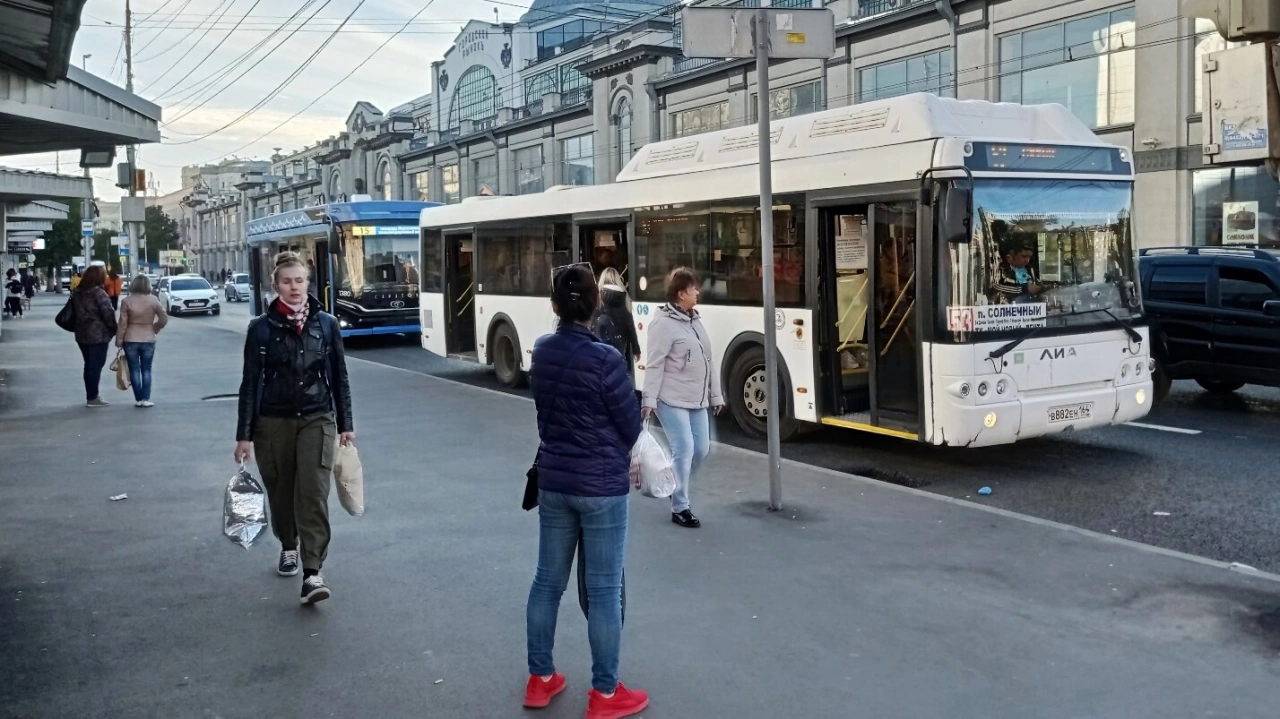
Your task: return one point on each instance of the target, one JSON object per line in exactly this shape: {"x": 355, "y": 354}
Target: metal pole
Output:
{"x": 766, "y": 266}
{"x": 131, "y": 228}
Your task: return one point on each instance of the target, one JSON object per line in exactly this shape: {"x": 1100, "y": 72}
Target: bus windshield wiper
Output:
{"x": 1128, "y": 328}
{"x": 1006, "y": 349}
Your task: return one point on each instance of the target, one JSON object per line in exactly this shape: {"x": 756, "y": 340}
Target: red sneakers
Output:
{"x": 538, "y": 693}
{"x": 624, "y": 703}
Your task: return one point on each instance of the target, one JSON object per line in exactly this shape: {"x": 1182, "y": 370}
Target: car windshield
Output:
{"x": 192, "y": 284}
{"x": 1045, "y": 253}
{"x": 240, "y": 280}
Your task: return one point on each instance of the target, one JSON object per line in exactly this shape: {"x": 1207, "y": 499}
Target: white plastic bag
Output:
{"x": 657, "y": 475}
{"x": 244, "y": 509}
{"x": 348, "y": 474}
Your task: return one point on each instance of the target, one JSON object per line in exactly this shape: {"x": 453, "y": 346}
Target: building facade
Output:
{"x": 567, "y": 95}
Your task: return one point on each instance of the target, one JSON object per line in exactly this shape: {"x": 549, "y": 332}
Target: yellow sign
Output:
{"x": 795, "y": 38}
{"x": 363, "y": 230}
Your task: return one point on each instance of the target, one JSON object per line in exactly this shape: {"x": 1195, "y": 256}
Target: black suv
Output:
{"x": 1215, "y": 316}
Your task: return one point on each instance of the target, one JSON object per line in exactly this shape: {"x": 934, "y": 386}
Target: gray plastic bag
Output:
{"x": 244, "y": 509}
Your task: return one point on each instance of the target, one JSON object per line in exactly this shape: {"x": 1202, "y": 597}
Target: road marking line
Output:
{"x": 1162, "y": 428}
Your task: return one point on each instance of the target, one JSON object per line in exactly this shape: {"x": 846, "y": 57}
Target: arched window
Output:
{"x": 625, "y": 148}
{"x": 335, "y": 186}
{"x": 475, "y": 97}
{"x": 384, "y": 180}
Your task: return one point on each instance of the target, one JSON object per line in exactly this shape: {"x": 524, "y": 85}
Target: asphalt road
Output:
{"x": 1207, "y": 461}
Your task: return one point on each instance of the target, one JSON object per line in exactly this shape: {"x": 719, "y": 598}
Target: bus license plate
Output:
{"x": 1071, "y": 412}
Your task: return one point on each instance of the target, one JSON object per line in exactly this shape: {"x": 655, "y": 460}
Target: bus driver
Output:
{"x": 1018, "y": 281}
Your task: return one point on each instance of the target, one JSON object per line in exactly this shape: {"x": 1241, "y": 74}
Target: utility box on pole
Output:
{"x": 1241, "y": 105}
{"x": 1241, "y": 115}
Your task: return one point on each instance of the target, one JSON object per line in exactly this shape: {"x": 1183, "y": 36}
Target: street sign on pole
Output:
{"x": 763, "y": 33}
{"x": 86, "y": 228}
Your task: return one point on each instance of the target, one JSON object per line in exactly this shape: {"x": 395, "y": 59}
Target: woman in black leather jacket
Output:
{"x": 295, "y": 406}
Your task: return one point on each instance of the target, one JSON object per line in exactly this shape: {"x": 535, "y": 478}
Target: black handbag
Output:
{"x": 582, "y": 581}
{"x": 66, "y": 318}
{"x": 530, "y": 488}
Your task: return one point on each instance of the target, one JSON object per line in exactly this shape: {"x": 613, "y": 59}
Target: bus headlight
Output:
{"x": 982, "y": 389}
{"x": 990, "y": 420}
{"x": 965, "y": 389}
{"x": 1151, "y": 365}
{"x": 343, "y": 324}
{"x": 1140, "y": 397}
{"x": 1137, "y": 370}
{"x": 1001, "y": 386}
{"x": 1124, "y": 371}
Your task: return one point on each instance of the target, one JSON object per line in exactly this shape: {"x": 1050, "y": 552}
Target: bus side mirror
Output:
{"x": 955, "y": 219}
{"x": 335, "y": 241}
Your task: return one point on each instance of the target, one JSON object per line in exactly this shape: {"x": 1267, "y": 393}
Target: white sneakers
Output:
{"x": 144, "y": 403}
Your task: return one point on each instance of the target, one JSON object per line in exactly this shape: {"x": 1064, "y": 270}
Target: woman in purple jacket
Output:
{"x": 95, "y": 330}
{"x": 588, "y": 422}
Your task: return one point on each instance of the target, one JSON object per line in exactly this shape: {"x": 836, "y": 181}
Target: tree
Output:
{"x": 161, "y": 233}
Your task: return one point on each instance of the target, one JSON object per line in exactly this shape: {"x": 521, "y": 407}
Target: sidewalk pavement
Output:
{"x": 860, "y": 600}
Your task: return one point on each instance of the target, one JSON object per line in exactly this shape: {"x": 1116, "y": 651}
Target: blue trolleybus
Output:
{"x": 365, "y": 259}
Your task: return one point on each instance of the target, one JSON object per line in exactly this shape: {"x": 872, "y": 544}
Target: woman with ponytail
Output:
{"x": 588, "y": 422}
{"x": 295, "y": 406}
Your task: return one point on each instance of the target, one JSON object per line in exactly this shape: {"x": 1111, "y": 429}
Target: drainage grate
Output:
{"x": 890, "y": 476}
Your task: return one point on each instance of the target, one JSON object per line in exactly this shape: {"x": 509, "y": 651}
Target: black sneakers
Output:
{"x": 686, "y": 519}
{"x": 288, "y": 566}
{"x": 314, "y": 590}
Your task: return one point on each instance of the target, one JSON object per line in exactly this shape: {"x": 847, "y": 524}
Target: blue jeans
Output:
{"x": 603, "y": 524}
{"x": 689, "y": 435}
{"x": 95, "y": 358}
{"x": 140, "y": 355}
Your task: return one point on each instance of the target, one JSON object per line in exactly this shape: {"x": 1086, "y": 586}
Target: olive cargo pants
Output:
{"x": 295, "y": 456}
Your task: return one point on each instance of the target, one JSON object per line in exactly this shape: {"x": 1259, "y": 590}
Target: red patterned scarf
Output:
{"x": 297, "y": 315}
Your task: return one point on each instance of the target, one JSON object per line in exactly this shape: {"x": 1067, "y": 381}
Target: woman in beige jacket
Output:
{"x": 142, "y": 316}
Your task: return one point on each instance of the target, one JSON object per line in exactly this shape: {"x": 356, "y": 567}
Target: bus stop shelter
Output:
{"x": 48, "y": 105}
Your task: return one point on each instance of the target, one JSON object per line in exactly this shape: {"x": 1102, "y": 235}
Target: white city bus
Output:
{"x": 954, "y": 272}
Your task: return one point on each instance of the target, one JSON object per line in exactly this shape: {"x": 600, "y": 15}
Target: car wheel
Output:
{"x": 506, "y": 357}
{"x": 747, "y": 400}
{"x": 1218, "y": 386}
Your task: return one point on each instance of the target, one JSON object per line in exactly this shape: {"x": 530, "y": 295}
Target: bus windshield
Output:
{"x": 377, "y": 261}
{"x": 1045, "y": 253}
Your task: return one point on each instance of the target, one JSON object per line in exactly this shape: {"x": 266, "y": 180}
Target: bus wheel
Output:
{"x": 746, "y": 396}
{"x": 506, "y": 357}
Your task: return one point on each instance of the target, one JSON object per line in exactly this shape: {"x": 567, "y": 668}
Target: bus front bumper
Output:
{"x": 970, "y": 424}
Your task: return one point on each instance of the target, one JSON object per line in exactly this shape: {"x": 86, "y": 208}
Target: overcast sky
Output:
{"x": 177, "y": 66}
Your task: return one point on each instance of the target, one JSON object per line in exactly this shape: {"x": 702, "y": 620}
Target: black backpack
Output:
{"x": 607, "y": 331}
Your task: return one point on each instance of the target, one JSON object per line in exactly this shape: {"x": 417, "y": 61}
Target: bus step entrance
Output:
{"x": 468, "y": 356}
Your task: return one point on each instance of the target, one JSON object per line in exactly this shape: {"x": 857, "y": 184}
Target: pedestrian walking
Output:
{"x": 75, "y": 281}
{"x": 12, "y": 293}
{"x": 114, "y": 287}
{"x": 142, "y": 316}
{"x": 95, "y": 328}
{"x": 613, "y": 323}
{"x": 295, "y": 405}
{"x": 588, "y": 422}
{"x": 680, "y": 384}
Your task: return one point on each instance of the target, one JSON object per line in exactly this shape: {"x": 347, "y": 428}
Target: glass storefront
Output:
{"x": 1235, "y": 206}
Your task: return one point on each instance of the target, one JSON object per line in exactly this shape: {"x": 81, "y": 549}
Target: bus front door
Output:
{"x": 459, "y": 293}
{"x": 895, "y": 341}
{"x": 868, "y": 332}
